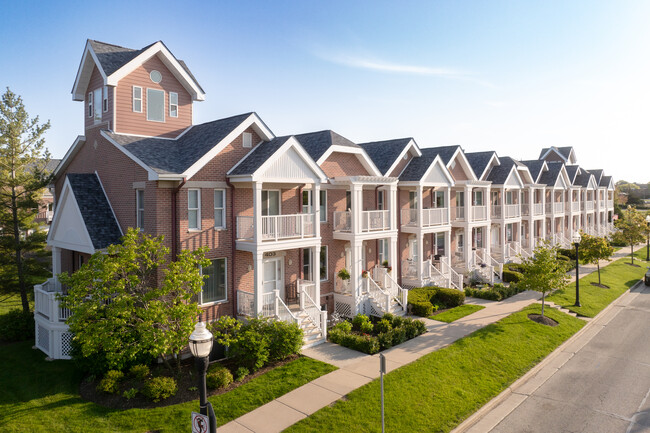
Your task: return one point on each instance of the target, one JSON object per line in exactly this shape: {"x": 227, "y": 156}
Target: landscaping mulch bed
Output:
{"x": 186, "y": 380}
{"x": 544, "y": 320}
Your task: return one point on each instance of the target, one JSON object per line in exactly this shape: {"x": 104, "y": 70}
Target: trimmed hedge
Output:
{"x": 159, "y": 388}
{"x": 16, "y": 326}
{"x": 424, "y": 301}
{"x": 218, "y": 376}
{"x": 511, "y": 276}
{"x": 497, "y": 293}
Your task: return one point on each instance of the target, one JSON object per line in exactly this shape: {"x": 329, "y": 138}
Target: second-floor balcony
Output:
{"x": 506, "y": 211}
{"x": 479, "y": 213}
{"x": 575, "y": 206}
{"x": 430, "y": 217}
{"x": 371, "y": 221}
{"x": 277, "y": 227}
{"x": 555, "y": 207}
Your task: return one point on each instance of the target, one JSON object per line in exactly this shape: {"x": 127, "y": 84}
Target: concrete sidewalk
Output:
{"x": 357, "y": 369}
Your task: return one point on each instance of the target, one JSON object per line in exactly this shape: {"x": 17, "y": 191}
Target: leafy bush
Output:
{"x": 424, "y": 301}
{"x": 390, "y": 330}
{"x": 488, "y": 294}
{"x": 414, "y": 328}
{"x": 570, "y": 253}
{"x": 130, "y": 393}
{"x": 225, "y": 330}
{"x": 16, "y": 326}
{"x": 139, "y": 371}
{"x": 385, "y": 340}
{"x": 251, "y": 349}
{"x": 159, "y": 388}
{"x": 362, "y": 323}
{"x": 510, "y": 276}
{"x": 110, "y": 384}
{"x": 218, "y": 377}
{"x": 515, "y": 267}
{"x": 362, "y": 343}
{"x": 449, "y": 298}
{"x": 344, "y": 326}
{"x": 399, "y": 335}
{"x": 384, "y": 325}
{"x": 241, "y": 373}
{"x": 285, "y": 339}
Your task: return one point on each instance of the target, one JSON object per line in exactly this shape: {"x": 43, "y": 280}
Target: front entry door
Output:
{"x": 274, "y": 275}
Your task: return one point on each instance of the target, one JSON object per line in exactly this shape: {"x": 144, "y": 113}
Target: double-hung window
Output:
{"x": 155, "y": 105}
{"x": 215, "y": 285}
{"x": 307, "y": 269}
{"x": 219, "y": 208}
{"x": 193, "y": 209}
{"x": 105, "y": 99}
{"x": 306, "y": 201}
{"x": 381, "y": 201}
{"x": 478, "y": 198}
{"x": 323, "y": 205}
{"x": 323, "y": 263}
{"x": 270, "y": 202}
{"x": 97, "y": 112}
{"x": 173, "y": 104}
{"x": 139, "y": 201}
{"x": 90, "y": 104}
{"x": 137, "y": 99}
{"x": 413, "y": 200}
{"x": 439, "y": 199}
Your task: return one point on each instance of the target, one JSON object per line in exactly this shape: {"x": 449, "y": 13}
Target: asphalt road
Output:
{"x": 603, "y": 388}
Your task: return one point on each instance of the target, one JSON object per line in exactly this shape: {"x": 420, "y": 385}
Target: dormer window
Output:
{"x": 247, "y": 139}
{"x": 137, "y": 99}
{"x": 155, "y": 105}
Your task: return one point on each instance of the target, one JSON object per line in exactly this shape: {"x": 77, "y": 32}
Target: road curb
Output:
{"x": 477, "y": 416}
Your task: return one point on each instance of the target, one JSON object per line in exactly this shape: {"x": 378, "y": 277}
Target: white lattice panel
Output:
{"x": 343, "y": 309}
{"x": 66, "y": 344}
{"x": 43, "y": 338}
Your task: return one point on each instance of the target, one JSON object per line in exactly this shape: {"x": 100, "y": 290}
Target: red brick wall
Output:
{"x": 216, "y": 169}
{"x": 129, "y": 122}
{"x": 402, "y": 164}
{"x": 343, "y": 164}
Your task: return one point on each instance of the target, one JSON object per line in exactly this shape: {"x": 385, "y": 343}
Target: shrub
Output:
{"x": 422, "y": 308}
{"x": 16, "y": 326}
{"x": 225, "y": 330}
{"x": 130, "y": 393}
{"x": 568, "y": 252}
{"x": 362, "y": 323}
{"x": 110, "y": 384}
{"x": 385, "y": 340}
{"x": 419, "y": 300}
{"x": 515, "y": 267}
{"x": 414, "y": 328}
{"x": 285, "y": 339}
{"x": 251, "y": 349}
{"x": 344, "y": 326}
{"x": 218, "y": 377}
{"x": 159, "y": 388}
{"x": 241, "y": 373}
{"x": 384, "y": 325}
{"x": 510, "y": 276}
{"x": 450, "y": 298}
{"x": 362, "y": 343}
{"x": 398, "y": 335}
{"x": 139, "y": 371}
{"x": 488, "y": 294}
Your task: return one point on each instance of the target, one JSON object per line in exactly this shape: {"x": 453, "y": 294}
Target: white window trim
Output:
{"x": 223, "y": 209}
{"x": 163, "y": 108}
{"x": 136, "y": 99}
{"x": 105, "y": 99}
{"x": 323, "y": 203}
{"x": 247, "y": 140}
{"x": 138, "y": 209}
{"x": 201, "y": 303}
{"x": 173, "y": 105}
{"x": 198, "y": 210}
{"x": 326, "y": 262}
{"x": 279, "y": 201}
{"x": 90, "y": 105}
{"x": 381, "y": 204}
{"x": 310, "y": 203}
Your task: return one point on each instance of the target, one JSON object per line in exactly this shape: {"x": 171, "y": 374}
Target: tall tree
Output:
{"x": 631, "y": 228}
{"x": 23, "y": 177}
{"x": 543, "y": 272}
{"x": 131, "y": 304}
{"x": 593, "y": 249}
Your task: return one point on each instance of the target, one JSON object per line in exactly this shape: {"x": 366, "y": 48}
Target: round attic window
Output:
{"x": 155, "y": 76}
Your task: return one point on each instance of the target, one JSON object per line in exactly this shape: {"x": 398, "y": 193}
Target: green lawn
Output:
{"x": 43, "y": 396}
{"x": 618, "y": 275}
{"x": 12, "y": 302}
{"x": 438, "y": 391}
{"x": 457, "y": 313}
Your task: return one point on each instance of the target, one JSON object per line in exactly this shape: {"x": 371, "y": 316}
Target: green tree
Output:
{"x": 593, "y": 249}
{"x": 23, "y": 176}
{"x": 131, "y": 304}
{"x": 543, "y": 272}
{"x": 631, "y": 228}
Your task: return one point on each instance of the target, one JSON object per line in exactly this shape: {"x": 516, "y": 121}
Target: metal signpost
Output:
{"x": 200, "y": 423}
{"x": 382, "y": 371}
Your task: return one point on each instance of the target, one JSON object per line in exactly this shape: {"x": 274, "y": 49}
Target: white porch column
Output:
{"x": 56, "y": 261}
{"x": 258, "y": 280}
{"x": 420, "y": 245}
{"x": 315, "y": 254}
{"x": 392, "y": 206}
{"x": 393, "y": 255}
{"x": 487, "y": 239}
{"x": 356, "y": 195}
{"x": 418, "y": 195}
{"x": 468, "y": 243}
{"x": 448, "y": 203}
{"x": 316, "y": 204}
{"x": 257, "y": 212}
{"x": 355, "y": 269}
{"x": 469, "y": 202}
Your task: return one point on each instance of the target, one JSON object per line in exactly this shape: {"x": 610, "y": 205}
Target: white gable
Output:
{"x": 560, "y": 182}
{"x": 289, "y": 166}
{"x": 68, "y": 228}
{"x": 513, "y": 180}
{"x": 437, "y": 175}
{"x": 592, "y": 183}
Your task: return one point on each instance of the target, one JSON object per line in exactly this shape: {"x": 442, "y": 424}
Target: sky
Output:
{"x": 509, "y": 76}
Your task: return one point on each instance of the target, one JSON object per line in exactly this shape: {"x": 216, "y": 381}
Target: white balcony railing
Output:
{"x": 538, "y": 209}
{"x": 511, "y": 211}
{"x": 495, "y": 211}
{"x": 575, "y": 206}
{"x": 558, "y": 207}
{"x": 47, "y": 303}
{"x": 245, "y": 303}
{"x": 371, "y": 220}
{"x": 590, "y": 205}
{"x": 430, "y": 217}
{"x": 458, "y": 213}
{"x": 277, "y": 227}
{"x": 479, "y": 213}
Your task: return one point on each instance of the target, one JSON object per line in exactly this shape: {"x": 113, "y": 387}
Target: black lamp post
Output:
{"x": 647, "y": 251}
{"x": 576, "y": 241}
{"x": 200, "y": 346}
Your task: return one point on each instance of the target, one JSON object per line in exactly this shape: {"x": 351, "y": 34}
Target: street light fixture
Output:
{"x": 201, "y": 345}
{"x": 576, "y": 241}
{"x": 647, "y": 251}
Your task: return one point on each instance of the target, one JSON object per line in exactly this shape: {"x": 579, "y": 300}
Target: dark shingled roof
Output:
{"x": 499, "y": 174}
{"x": 479, "y": 161}
{"x": 550, "y": 176}
{"x": 384, "y": 153}
{"x": 95, "y": 210}
{"x": 113, "y": 57}
{"x": 176, "y": 156}
{"x": 317, "y": 143}
{"x": 583, "y": 178}
{"x": 564, "y": 151}
{"x": 534, "y": 166}
{"x": 598, "y": 174}
{"x": 604, "y": 181}
{"x": 416, "y": 168}
{"x": 445, "y": 152}
{"x": 572, "y": 170}
{"x": 259, "y": 155}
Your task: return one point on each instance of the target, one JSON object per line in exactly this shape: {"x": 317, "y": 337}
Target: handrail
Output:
{"x": 311, "y": 309}
{"x": 491, "y": 261}
{"x": 436, "y": 276}
{"x": 283, "y": 312}
{"x": 377, "y": 293}
{"x": 394, "y": 289}
{"x": 455, "y": 279}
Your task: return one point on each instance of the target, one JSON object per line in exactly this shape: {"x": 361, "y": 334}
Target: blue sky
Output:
{"x": 510, "y": 76}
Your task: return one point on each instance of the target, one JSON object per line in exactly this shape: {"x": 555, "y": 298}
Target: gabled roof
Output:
{"x": 598, "y": 174}
{"x": 95, "y": 209}
{"x": 446, "y": 153}
{"x": 555, "y": 170}
{"x": 583, "y": 177}
{"x": 572, "y": 171}
{"x": 566, "y": 153}
{"x": 114, "y": 62}
{"x": 190, "y": 151}
{"x": 387, "y": 153}
{"x": 536, "y": 167}
{"x": 605, "y": 181}
{"x": 500, "y": 173}
{"x": 258, "y": 156}
{"x": 420, "y": 168}
{"x": 480, "y": 161}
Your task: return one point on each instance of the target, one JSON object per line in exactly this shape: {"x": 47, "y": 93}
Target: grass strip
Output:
{"x": 618, "y": 275}
{"x": 43, "y": 396}
{"x": 440, "y": 390}
{"x": 457, "y": 313}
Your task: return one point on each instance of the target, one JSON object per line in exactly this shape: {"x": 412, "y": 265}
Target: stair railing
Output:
{"x": 392, "y": 287}
{"x": 313, "y": 311}
{"x": 377, "y": 293}
{"x": 455, "y": 279}
{"x": 282, "y": 311}
{"x": 437, "y": 276}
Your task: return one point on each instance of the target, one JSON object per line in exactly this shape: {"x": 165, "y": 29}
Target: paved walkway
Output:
{"x": 357, "y": 369}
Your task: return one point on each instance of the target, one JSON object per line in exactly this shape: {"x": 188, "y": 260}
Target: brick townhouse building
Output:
{"x": 283, "y": 216}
